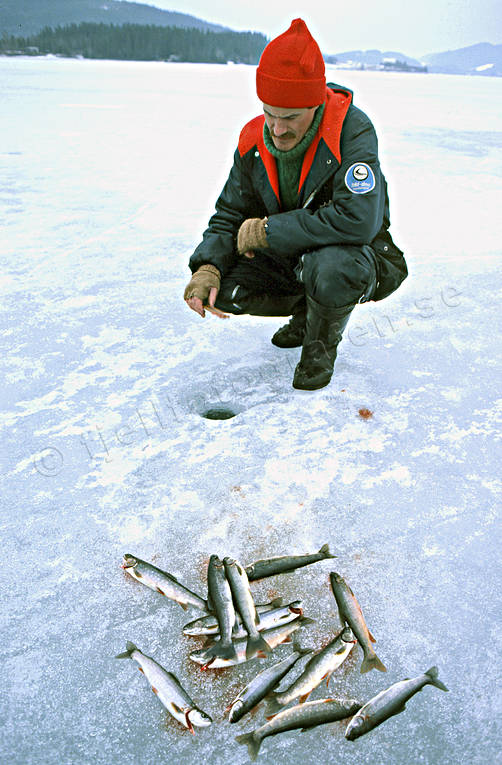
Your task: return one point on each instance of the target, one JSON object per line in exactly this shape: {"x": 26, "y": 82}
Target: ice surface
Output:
{"x": 108, "y": 174}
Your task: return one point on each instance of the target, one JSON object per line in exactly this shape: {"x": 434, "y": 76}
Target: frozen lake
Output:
{"x": 108, "y": 174}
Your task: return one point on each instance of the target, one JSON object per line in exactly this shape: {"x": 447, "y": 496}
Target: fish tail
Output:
{"x": 325, "y": 551}
{"x": 273, "y": 705}
{"x": 252, "y": 743}
{"x": 432, "y": 674}
{"x": 298, "y": 649}
{"x": 256, "y": 645}
{"x": 371, "y": 661}
{"x": 221, "y": 650}
{"x": 130, "y": 648}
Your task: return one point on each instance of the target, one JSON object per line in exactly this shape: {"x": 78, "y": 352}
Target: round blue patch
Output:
{"x": 360, "y": 178}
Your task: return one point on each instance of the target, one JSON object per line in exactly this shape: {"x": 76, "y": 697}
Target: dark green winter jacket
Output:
{"x": 342, "y": 195}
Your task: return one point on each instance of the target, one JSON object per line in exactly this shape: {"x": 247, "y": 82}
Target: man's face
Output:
{"x": 287, "y": 126}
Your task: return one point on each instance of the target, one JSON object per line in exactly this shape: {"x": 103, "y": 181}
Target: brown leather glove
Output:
{"x": 202, "y": 281}
{"x": 252, "y": 235}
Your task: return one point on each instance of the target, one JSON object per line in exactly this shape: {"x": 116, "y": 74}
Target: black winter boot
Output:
{"x": 323, "y": 332}
{"x": 291, "y": 334}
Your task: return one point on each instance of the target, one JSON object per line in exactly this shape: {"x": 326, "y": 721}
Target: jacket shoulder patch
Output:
{"x": 251, "y": 134}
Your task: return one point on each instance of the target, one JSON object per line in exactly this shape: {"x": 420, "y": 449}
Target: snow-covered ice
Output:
{"x": 108, "y": 174}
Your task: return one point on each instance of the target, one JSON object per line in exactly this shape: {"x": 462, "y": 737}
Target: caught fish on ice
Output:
{"x": 162, "y": 582}
{"x": 273, "y": 637}
{"x": 263, "y": 683}
{"x": 390, "y": 702}
{"x": 320, "y": 666}
{"x": 168, "y": 689}
{"x": 282, "y": 564}
{"x": 303, "y": 716}
{"x": 351, "y": 613}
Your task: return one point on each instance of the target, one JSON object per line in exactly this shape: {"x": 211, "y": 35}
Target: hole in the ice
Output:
{"x": 218, "y": 413}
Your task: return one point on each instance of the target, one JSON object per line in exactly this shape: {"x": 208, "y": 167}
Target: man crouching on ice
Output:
{"x": 301, "y": 226}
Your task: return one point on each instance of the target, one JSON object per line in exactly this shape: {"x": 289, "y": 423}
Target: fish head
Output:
{"x": 355, "y": 728}
{"x": 229, "y": 562}
{"x": 199, "y": 656}
{"x": 296, "y": 607}
{"x": 335, "y": 578}
{"x": 214, "y": 560}
{"x": 235, "y": 708}
{"x": 199, "y": 718}
{"x": 348, "y": 636}
{"x": 129, "y": 561}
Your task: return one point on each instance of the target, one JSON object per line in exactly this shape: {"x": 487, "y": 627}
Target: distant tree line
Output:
{"x": 137, "y": 42}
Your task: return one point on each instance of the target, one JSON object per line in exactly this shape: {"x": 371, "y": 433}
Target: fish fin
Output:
{"x": 256, "y": 645}
{"x": 325, "y": 551}
{"x": 273, "y": 705}
{"x": 253, "y": 745}
{"x": 141, "y": 670}
{"x": 183, "y": 605}
{"x": 432, "y": 673}
{"x": 287, "y": 639}
{"x": 130, "y": 647}
{"x": 373, "y": 639}
{"x": 138, "y": 574}
{"x": 328, "y": 678}
{"x": 160, "y": 591}
{"x": 154, "y": 689}
{"x": 207, "y": 664}
{"x": 304, "y": 620}
{"x": 372, "y": 662}
{"x": 189, "y": 722}
{"x": 304, "y": 697}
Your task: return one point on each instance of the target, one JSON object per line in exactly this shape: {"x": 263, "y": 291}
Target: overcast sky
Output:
{"x": 427, "y": 26}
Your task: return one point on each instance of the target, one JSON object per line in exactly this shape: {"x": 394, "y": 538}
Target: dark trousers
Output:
{"x": 266, "y": 285}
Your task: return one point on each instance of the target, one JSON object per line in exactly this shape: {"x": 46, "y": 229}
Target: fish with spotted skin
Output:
{"x": 274, "y": 637}
{"x": 303, "y": 716}
{"x": 320, "y": 666}
{"x": 162, "y": 582}
{"x": 264, "y": 682}
{"x": 244, "y": 604}
{"x": 282, "y": 564}
{"x": 351, "y": 613}
{"x": 390, "y": 702}
{"x": 168, "y": 690}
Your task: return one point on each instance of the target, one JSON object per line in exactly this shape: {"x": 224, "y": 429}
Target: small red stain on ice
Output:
{"x": 366, "y": 414}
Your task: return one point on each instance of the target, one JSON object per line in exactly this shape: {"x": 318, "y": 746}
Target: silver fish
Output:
{"x": 220, "y": 598}
{"x": 318, "y": 667}
{"x": 162, "y": 582}
{"x": 262, "y": 684}
{"x": 303, "y": 716}
{"x": 390, "y": 702}
{"x": 350, "y": 612}
{"x": 280, "y": 565}
{"x": 274, "y": 637}
{"x": 168, "y": 689}
{"x": 244, "y": 603}
{"x": 268, "y": 612}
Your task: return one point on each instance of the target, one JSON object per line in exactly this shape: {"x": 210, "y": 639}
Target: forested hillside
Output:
{"x": 136, "y": 42}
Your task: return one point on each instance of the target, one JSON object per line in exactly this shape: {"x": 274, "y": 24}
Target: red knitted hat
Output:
{"x": 291, "y": 70}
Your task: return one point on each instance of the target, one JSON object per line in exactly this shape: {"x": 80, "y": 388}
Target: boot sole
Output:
{"x": 298, "y": 344}
{"x": 315, "y": 384}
